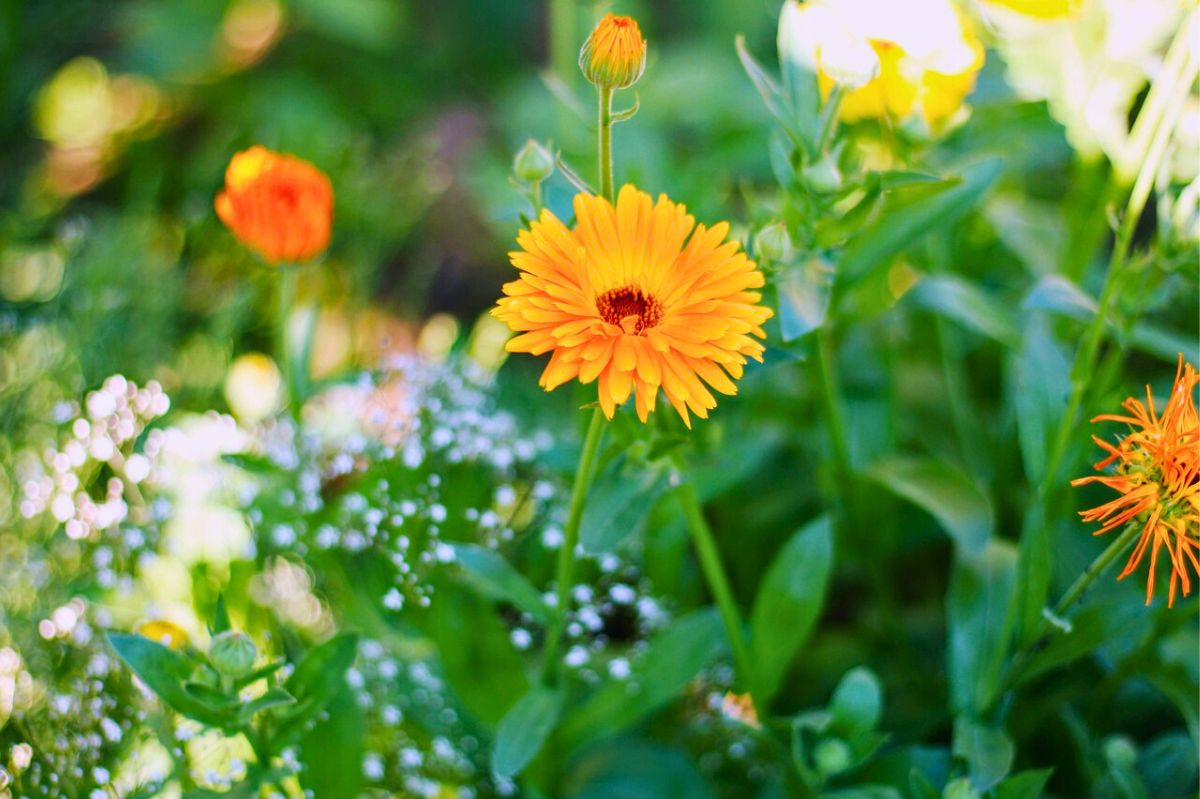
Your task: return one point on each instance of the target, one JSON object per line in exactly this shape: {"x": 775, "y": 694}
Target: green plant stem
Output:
{"x": 566, "y": 554}
{"x": 714, "y": 575}
{"x": 562, "y": 40}
{"x": 1034, "y": 642}
{"x": 605, "y": 144}
{"x": 831, "y": 403}
{"x": 285, "y": 298}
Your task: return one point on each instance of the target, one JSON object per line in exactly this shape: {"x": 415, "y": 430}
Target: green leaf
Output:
{"x": 803, "y": 293}
{"x": 1024, "y": 784}
{"x": 908, "y": 214}
{"x": 209, "y": 694}
{"x": 857, "y": 702}
{"x": 164, "y": 671}
{"x": 618, "y": 502}
{"x": 1059, "y": 295}
{"x": 220, "y": 617}
{"x": 524, "y": 729}
{"x": 494, "y": 577}
{"x": 332, "y": 751}
{"x": 1098, "y": 621}
{"x": 672, "y": 658}
{"x": 788, "y": 602}
{"x": 772, "y": 97}
{"x": 316, "y": 680}
{"x": 944, "y": 492}
{"x": 636, "y": 770}
{"x": 965, "y": 303}
{"x": 1040, "y": 393}
{"x": 259, "y": 674}
{"x": 987, "y": 751}
{"x": 979, "y": 615}
{"x": 1168, "y": 763}
{"x": 272, "y": 697}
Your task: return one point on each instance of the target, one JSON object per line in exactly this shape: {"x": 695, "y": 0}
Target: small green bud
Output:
{"x": 773, "y": 244}
{"x": 232, "y": 653}
{"x": 20, "y": 757}
{"x": 832, "y": 756}
{"x": 533, "y": 163}
{"x": 823, "y": 176}
{"x": 1120, "y": 751}
{"x": 960, "y": 789}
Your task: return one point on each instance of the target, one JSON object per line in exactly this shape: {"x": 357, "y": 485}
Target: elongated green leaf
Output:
{"x": 272, "y": 697}
{"x": 979, "y": 613}
{"x": 1040, "y": 393}
{"x": 987, "y": 750}
{"x": 672, "y": 658}
{"x": 494, "y": 577}
{"x": 910, "y": 213}
{"x": 316, "y": 680}
{"x": 1059, "y": 295}
{"x": 638, "y": 770}
{"x": 618, "y": 503}
{"x": 164, "y": 671}
{"x": 788, "y": 603}
{"x": 1024, "y": 785}
{"x": 767, "y": 88}
{"x": 524, "y": 729}
{"x": 332, "y": 751}
{"x": 965, "y": 303}
{"x": 220, "y": 617}
{"x": 944, "y": 492}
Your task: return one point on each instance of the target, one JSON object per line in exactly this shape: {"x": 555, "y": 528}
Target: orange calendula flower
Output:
{"x": 279, "y": 206}
{"x": 1041, "y": 9}
{"x": 1157, "y": 472}
{"x": 614, "y": 55}
{"x": 628, "y": 299}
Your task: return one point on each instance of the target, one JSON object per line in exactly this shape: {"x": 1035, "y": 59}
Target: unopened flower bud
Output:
{"x": 1120, "y": 751}
{"x": 533, "y": 163}
{"x": 614, "y": 55}
{"x": 773, "y": 244}
{"x": 832, "y": 756}
{"x": 232, "y": 653}
{"x": 823, "y": 176}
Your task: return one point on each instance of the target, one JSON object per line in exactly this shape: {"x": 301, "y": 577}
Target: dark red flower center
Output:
{"x": 629, "y": 308}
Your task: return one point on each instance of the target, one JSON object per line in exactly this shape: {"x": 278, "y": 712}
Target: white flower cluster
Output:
{"x": 102, "y": 435}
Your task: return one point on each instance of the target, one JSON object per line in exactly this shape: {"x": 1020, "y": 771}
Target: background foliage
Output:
{"x": 878, "y": 541}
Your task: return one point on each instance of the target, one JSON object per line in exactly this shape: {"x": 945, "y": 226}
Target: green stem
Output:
{"x": 566, "y": 554}
{"x": 562, "y": 40}
{"x": 714, "y": 575}
{"x": 606, "y": 161}
{"x": 285, "y": 298}
{"x": 1097, "y": 567}
{"x": 831, "y": 403}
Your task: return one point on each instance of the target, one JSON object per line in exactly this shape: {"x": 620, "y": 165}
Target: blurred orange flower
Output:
{"x": 1158, "y": 476}
{"x": 278, "y": 205}
{"x": 163, "y": 632}
{"x": 614, "y": 55}
{"x": 626, "y": 298}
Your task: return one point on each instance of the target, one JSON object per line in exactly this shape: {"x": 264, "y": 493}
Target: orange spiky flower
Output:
{"x": 636, "y": 297}
{"x": 1157, "y": 472}
{"x": 278, "y": 205}
{"x": 614, "y": 55}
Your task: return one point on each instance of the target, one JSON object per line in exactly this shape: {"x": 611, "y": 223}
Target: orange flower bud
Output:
{"x": 278, "y": 205}
{"x": 614, "y": 55}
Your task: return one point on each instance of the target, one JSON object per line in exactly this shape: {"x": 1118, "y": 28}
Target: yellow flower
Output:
{"x": 1041, "y": 9}
{"x": 163, "y": 632}
{"x": 614, "y": 55}
{"x": 629, "y": 300}
{"x": 926, "y": 56}
{"x": 1158, "y": 477}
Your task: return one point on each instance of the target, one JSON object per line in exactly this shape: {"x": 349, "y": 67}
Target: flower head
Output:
{"x": 614, "y": 55}
{"x": 1040, "y": 9}
{"x": 628, "y": 299}
{"x": 894, "y": 59}
{"x": 278, "y": 205}
{"x": 163, "y": 632}
{"x": 1157, "y": 473}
